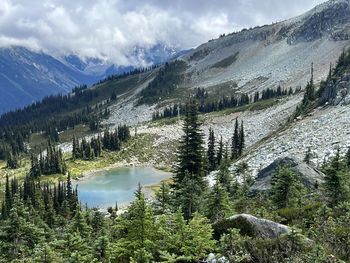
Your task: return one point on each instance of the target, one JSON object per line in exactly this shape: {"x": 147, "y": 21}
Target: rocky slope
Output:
{"x": 309, "y": 176}
{"x": 256, "y": 59}
{"x": 275, "y": 54}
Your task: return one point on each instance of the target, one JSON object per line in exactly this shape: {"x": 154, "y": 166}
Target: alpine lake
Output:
{"x": 104, "y": 188}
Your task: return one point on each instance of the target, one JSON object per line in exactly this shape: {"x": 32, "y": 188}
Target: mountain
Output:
{"x": 156, "y": 54}
{"x": 27, "y": 76}
{"x": 280, "y": 53}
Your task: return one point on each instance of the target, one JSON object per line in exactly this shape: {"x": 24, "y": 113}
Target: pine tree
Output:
{"x": 12, "y": 161}
{"x": 75, "y": 150}
{"x": 235, "y": 145}
{"x": 309, "y": 95}
{"x": 241, "y": 140}
{"x": 190, "y": 158}
{"x": 218, "y": 206}
{"x": 223, "y": 177}
{"x": 189, "y": 196}
{"x": 348, "y": 158}
{"x": 199, "y": 241}
{"x": 163, "y": 198}
{"x": 286, "y": 188}
{"x": 220, "y": 154}
{"x": 211, "y": 151}
{"x": 335, "y": 182}
{"x": 140, "y": 240}
{"x": 307, "y": 156}
{"x": 35, "y": 171}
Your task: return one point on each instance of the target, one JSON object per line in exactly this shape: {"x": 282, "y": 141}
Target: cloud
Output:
{"x": 111, "y": 28}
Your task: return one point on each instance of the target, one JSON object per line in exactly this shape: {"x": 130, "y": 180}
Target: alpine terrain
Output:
{"x": 251, "y": 132}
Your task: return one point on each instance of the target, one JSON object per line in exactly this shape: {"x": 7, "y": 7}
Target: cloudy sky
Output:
{"x": 112, "y": 27}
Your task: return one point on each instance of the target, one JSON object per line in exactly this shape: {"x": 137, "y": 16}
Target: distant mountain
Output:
{"x": 27, "y": 76}
{"x": 156, "y": 54}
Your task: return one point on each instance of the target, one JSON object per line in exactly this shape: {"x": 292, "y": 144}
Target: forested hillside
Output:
{"x": 187, "y": 220}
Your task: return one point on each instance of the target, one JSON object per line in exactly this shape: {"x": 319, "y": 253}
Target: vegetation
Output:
{"x": 235, "y": 101}
{"x": 187, "y": 219}
{"x": 165, "y": 83}
{"x": 45, "y": 223}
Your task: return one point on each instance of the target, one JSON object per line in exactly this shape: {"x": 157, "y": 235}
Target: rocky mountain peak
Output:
{"x": 330, "y": 19}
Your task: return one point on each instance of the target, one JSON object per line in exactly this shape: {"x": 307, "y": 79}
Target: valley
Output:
{"x": 235, "y": 151}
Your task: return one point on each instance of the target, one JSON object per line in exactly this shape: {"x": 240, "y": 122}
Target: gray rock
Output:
{"x": 211, "y": 258}
{"x": 309, "y": 176}
{"x": 346, "y": 100}
{"x": 252, "y": 226}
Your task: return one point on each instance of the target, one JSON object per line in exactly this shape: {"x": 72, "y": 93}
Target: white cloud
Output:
{"x": 112, "y": 28}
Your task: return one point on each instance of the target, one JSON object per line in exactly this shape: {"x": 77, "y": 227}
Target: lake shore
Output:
{"x": 95, "y": 172}
{"x": 149, "y": 188}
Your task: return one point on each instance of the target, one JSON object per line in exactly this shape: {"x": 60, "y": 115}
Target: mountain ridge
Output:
{"x": 27, "y": 76}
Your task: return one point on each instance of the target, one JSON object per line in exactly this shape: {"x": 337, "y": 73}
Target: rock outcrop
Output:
{"x": 327, "y": 19}
{"x": 252, "y": 226}
{"x": 309, "y": 176}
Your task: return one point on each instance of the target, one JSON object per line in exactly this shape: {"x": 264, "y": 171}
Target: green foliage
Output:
{"x": 211, "y": 153}
{"x": 165, "y": 83}
{"x": 286, "y": 188}
{"x": 51, "y": 162}
{"x": 237, "y": 142}
{"x": 163, "y": 198}
{"x": 218, "y": 205}
{"x": 189, "y": 183}
{"x": 336, "y": 181}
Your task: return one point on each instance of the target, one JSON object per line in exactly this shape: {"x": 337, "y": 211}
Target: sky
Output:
{"x": 111, "y": 28}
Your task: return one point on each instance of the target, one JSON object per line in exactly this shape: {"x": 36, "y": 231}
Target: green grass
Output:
{"x": 165, "y": 121}
{"x": 256, "y": 106}
{"x": 226, "y": 61}
{"x": 38, "y": 141}
{"x": 79, "y": 131}
{"x": 139, "y": 147}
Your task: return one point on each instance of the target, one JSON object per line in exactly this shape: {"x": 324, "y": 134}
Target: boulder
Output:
{"x": 309, "y": 176}
{"x": 252, "y": 226}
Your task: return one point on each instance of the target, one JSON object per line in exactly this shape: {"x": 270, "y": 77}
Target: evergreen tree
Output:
{"x": 190, "y": 169}
{"x": 218, "y": 205}
{"x": 307, "y": 156}
{"x": 223, "y": 177}
{"x": 220, "y": 154}
{"x": 335, "y": 183}
{"x": 139, "y": 242}
{"x": 12, "y": 161}
{"x": 286, "y": 188}
{"x": 235, "y": 145}
{"x": 189, "y": 196}
{"x": 35, "y": 171}
{"x": 199, "y": 241}
{"x": 211, "y": 153}
{"x": 163, "y": 198}
{"x": 241, "y": 140}
{"x": 19, "y": 235}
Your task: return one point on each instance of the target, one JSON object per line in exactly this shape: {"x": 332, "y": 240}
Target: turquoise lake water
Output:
{"x": 103, "y": 189}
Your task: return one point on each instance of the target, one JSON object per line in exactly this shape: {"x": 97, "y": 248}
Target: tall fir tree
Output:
{"x": 241, "y": 140}
{"x": 220, "y": 154}
{"x": 191, "y": 150}
{"x": 235, "y": 143}
{"x": 211, "y": 153}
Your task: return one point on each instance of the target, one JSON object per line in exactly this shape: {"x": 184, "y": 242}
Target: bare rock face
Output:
{"x": 252, "y": 226}
{"x": 309, "y": 176}
{"x": 329, "y": 19}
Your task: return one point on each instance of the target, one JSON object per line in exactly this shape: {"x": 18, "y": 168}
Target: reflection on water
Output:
{"x": 105, "y": 188}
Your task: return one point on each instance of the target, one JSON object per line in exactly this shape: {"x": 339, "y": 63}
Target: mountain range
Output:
{"x": 27, "y": 76}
